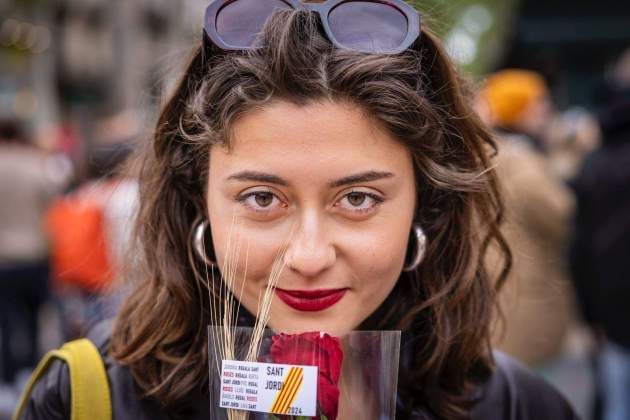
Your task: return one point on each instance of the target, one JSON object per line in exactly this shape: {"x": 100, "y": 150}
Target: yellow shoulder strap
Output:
{"x": 89, "y": 389}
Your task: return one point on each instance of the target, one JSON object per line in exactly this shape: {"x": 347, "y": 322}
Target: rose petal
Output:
{"x": 314, "y": 349}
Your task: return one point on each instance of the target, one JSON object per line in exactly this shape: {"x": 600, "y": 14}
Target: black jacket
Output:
{"x": 511, "y": 393}
{"x": 600, "y": 251}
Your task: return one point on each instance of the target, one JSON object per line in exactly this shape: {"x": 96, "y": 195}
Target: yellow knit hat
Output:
{"x": 510, "y": 92}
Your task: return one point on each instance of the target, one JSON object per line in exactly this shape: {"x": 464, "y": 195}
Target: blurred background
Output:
{"x": 80, "y": 85}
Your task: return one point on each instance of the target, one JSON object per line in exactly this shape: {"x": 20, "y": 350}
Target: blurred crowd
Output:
{"x": 566, "y": 179}
{"x": 64, "y": 226}
{"x": 67, "y": 206}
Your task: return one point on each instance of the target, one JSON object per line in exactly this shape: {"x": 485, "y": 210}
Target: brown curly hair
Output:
{"x": 445, "y": 307}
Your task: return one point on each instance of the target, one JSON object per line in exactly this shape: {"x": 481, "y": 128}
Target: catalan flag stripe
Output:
{"x": 283, "y": 392}
{"x": 296, "y": 388}
{"x": 288, "y": 388}
{"x": 293, "y": 377}
{"x": 278, "y": 396}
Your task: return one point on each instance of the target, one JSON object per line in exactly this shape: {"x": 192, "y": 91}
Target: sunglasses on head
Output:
{"x": 371, "y": 26}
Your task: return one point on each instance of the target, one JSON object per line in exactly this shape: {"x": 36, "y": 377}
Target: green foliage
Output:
{"x": 443, "y": 17}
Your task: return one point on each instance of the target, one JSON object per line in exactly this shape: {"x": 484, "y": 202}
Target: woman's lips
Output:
{"x": 311, "y": 300}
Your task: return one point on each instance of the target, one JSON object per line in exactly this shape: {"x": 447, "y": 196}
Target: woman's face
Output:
{"x": 327, "y": 179}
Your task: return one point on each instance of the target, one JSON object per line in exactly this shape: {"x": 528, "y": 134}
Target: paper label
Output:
{"x": 269, "y": 387}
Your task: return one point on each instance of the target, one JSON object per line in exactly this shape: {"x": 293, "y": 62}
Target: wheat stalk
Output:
{"x": 224, "y": 337}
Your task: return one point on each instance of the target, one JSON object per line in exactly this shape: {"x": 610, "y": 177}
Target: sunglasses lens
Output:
{"x": 239, "y": 22}
{"x": 368, "y": 26}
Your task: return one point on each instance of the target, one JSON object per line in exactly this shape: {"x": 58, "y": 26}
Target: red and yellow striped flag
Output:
{"x": 289, "y": 391}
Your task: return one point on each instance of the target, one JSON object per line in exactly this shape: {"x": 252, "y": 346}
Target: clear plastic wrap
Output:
{"x": 357, "y": 374}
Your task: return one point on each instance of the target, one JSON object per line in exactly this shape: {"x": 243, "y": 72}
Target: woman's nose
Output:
{"x": 310, "y": 251}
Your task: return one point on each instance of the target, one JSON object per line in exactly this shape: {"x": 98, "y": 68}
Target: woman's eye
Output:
{"x": 262, "y": 201}
{"x": 358, "y": 201}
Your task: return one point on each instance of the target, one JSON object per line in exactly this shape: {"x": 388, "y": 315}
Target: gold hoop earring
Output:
{"x": 420, "y": 250}
{"x": 198, "y": 242}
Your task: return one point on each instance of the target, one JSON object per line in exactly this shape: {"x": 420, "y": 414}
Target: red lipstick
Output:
{"x": 311, "y": 300}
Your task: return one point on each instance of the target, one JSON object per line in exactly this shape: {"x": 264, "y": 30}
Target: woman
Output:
{"x": 350, "y": 134}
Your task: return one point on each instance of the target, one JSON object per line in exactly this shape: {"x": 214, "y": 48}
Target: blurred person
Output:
{"x": 28, "y": 181}
{"x": 572, "y": 135}
{"x": 600, "y": 254}
{"x": 66, "y": 137}
{"x": 90, "y": 229}
{"x": 536, "y": 301}
{"x": 518, "y": 102}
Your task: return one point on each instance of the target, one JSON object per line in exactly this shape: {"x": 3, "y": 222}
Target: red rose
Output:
{"x": 328, "y": 397}
{"x": 313, "y": 349}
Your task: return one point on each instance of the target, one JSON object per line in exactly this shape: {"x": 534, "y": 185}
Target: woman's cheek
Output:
{"x": 257, "y": 256}
{"x": 380, "y": 253}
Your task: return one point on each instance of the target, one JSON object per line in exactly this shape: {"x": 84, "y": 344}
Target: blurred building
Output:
{"x": 80, "y": 60}
{"x": 571, "y": 43}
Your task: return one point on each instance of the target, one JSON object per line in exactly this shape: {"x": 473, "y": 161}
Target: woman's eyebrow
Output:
{"x": 360, "y": 177}
{"x": 274, "y": 179}
{"x": 257, "y": 177}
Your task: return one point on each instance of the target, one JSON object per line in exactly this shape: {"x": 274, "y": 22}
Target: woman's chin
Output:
{"x": 305, "y": 323}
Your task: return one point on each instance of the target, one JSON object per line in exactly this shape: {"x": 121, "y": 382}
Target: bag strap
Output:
{"x": 89, "y": 389}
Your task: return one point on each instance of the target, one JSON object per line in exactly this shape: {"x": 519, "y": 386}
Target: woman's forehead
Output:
{"x": 319, "y": 136}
